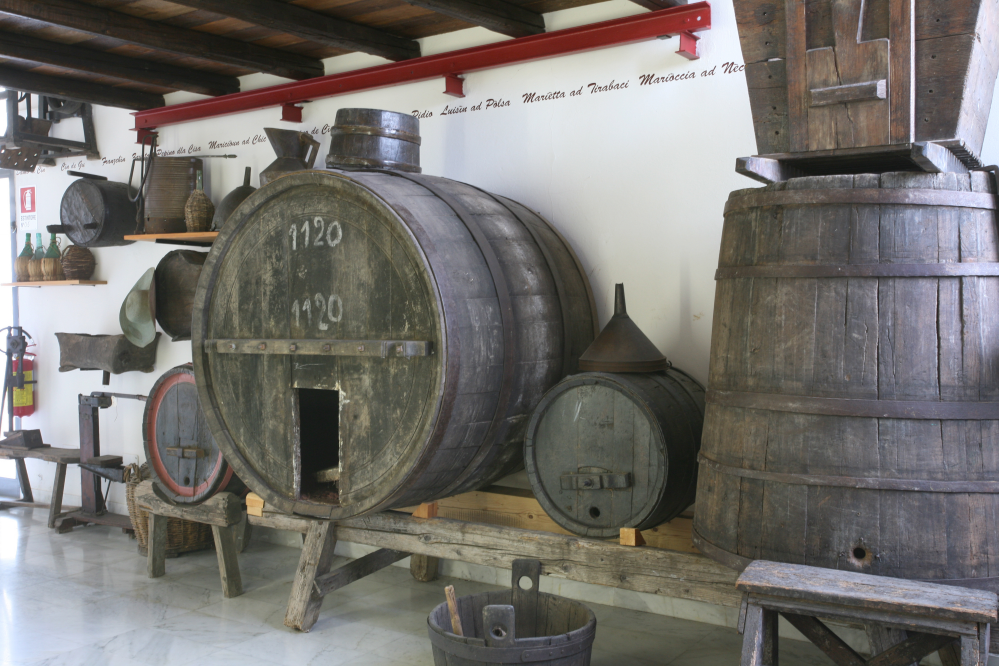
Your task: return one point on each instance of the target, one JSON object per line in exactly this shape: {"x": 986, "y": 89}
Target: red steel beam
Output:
{"x": 672, "y": 21}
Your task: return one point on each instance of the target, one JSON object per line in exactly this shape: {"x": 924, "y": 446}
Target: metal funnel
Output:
{"x": 621, "y": 346}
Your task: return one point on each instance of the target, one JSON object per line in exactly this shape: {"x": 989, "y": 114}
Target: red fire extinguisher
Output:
{"x": 24, "y": 399}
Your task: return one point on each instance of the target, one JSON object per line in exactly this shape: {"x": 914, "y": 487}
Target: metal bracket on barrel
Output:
{"x": 377, "y": 348}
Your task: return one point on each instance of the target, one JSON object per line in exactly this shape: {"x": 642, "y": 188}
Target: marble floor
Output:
{"x": 84, "y": 599}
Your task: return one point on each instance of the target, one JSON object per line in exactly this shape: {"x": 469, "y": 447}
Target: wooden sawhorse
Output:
{"x": 61, "y": 457}
{"x": 953, "y": 620}
{"x": 224, "y": 512}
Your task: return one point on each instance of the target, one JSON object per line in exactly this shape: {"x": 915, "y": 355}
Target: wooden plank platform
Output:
{"x": 54, "y": 283}
{"x": 186, "y": 238}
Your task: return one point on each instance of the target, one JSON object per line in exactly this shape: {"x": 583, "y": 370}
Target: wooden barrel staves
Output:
{"x": 374, "y": 339}
{"x": 180, "y": 449}
{"x": 853, "y": 406}
{"x": 607, "y": 450}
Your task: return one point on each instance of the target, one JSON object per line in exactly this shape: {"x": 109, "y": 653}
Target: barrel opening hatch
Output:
{"x": 319, "y": 444}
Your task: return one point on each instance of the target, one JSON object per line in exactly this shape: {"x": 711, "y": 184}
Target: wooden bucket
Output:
{"x": 372, "y": 138}
{"x": 610, "y": 450}
{"x": 516, "y": 626}
{"x": 96, "y": 213}
{"x": 184, "y": 458}
{"x": 836, "y": 75}
{"x": 372, "y": 339}
{"x": 852, "y": 414}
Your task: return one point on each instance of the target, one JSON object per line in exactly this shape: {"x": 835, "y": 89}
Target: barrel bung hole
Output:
{"x": 319, "y": 442}
{"x": 859, "y": 553}
{"x": 594, "y": 512}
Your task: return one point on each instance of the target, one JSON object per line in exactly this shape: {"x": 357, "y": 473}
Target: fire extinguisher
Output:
{"x": 24, "y": 399}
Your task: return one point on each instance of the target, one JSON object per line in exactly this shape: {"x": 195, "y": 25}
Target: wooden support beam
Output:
{"x": 356, "y": 570}
{"x": 659, "y": 4}
{"x": 32, "y": 49}
{"x": 911, "y": 650}
{"x": 83, "y": 91}
{"x": 824, "y": 639}
{"x": 313, "y": 26}
{"x": 222, "y": 510}
{"x": 102, "y": 22}
{"x": 665, "y": 572}
{"x": 496, "y": 15}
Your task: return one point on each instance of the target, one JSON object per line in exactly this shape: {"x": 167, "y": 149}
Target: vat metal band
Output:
{"x": 875, "y": 409}
{"x": 903, "y": 485}
{"x": 862, "y": 197}
{"x": 965, "y": 269}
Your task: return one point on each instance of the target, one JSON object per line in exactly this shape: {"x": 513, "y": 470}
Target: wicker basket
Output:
{"x": 183, "y": 536}
{"x": 78, "y": 263}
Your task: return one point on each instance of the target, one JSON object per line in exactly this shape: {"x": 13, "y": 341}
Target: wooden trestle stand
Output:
{"x": 428, "y": 539}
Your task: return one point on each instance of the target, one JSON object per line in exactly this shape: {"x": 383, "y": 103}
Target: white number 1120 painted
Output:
{"x": 331, "y": 233}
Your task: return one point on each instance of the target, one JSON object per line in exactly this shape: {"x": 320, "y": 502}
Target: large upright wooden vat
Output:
{"x": 852, "y": 414}
{"x": 372, "y": 339}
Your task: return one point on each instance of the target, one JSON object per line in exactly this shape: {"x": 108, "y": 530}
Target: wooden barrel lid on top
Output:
{"x": 371, "y": 339}
{"x": 179, "y": 446}
{"x": 853, "y": 406}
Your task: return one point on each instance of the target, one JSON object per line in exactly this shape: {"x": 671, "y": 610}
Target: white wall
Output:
{"x": 636, "y": 179}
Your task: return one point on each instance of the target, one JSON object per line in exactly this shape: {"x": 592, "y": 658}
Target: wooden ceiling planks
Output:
{"x": 156, "y": 46}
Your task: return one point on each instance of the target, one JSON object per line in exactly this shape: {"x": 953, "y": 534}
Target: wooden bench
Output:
{"x": 952, "y": 620}
{"x": 61, "y": 457}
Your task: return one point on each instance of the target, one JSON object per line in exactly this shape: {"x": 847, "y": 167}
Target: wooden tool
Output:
{"x": 452, "y": 607}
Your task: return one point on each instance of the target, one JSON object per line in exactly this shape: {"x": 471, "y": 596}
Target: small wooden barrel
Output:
{"x": 179, "y": 447}
{"x": 176, "y": 282}
{"x": 168, "y": 187}
{"x": 369, "y": 339}
{"x": 853, "y": 406}
{"x": 605, "y": 451}
{"x": 372, "y": 138}
{"x": 96, "y": 213}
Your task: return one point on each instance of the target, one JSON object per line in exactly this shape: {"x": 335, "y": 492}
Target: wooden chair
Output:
{"x": 953, "y": 620}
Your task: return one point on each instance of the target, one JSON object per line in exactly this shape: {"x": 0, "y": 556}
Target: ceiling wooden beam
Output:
{"x": 164, "y": 37}
{"x": 83, "y": 91}
{"x": 25, "y": 47}
{"x": 313, "y": 26}
{"x": 659, "y": 4}
{"x": 497, "y": 15}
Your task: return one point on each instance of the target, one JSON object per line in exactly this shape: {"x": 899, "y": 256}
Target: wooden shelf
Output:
{"x": 55, "y": 283}
{"x": 186, "y": 238}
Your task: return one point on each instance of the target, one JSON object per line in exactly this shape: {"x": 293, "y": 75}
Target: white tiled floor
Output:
{"x": 84, "y": 599}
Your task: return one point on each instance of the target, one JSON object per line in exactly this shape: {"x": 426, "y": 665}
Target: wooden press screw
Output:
{"x": 292, "y": 347}
{"x": 262, "y": 346}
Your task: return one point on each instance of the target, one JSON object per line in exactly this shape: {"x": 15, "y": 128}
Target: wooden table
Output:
{"x": 61, "y": 457}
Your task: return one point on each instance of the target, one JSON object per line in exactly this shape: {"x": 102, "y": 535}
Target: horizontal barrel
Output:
{"x": 373, "y": 339}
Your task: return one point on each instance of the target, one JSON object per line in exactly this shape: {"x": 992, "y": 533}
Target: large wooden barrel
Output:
{"x": 373, "y": 339}
{"x": 96, "y": 213}
{"x": 179, "y": 446}
{"x": 853, "y": 406}
{"x": 610, "y": 450}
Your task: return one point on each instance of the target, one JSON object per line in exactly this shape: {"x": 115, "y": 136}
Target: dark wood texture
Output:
{"x": 228, "y": 554}
{"x": 313, "y": 26}
{"x": 168, "y": 185}
{"x": 222, "y": 510}
{"x": 83, "y": 91}
{"x": 65, "y": 56}
{"x": 824, "y": 639}
{"x": 96, "y": 213}
{"x": 939, "y": 58}
{"x": 497, "y": 15}
{"x": 176, "y": 281}
{"x": 862, "y": 492}
{"x": 102, "y": 22}
{"x": 179, "y": 446}
{"x": 605, "y": 451}
{"x": 372, "y": 256}
{"x": 110, "y": 353}
{"x": 156, "y": 547}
